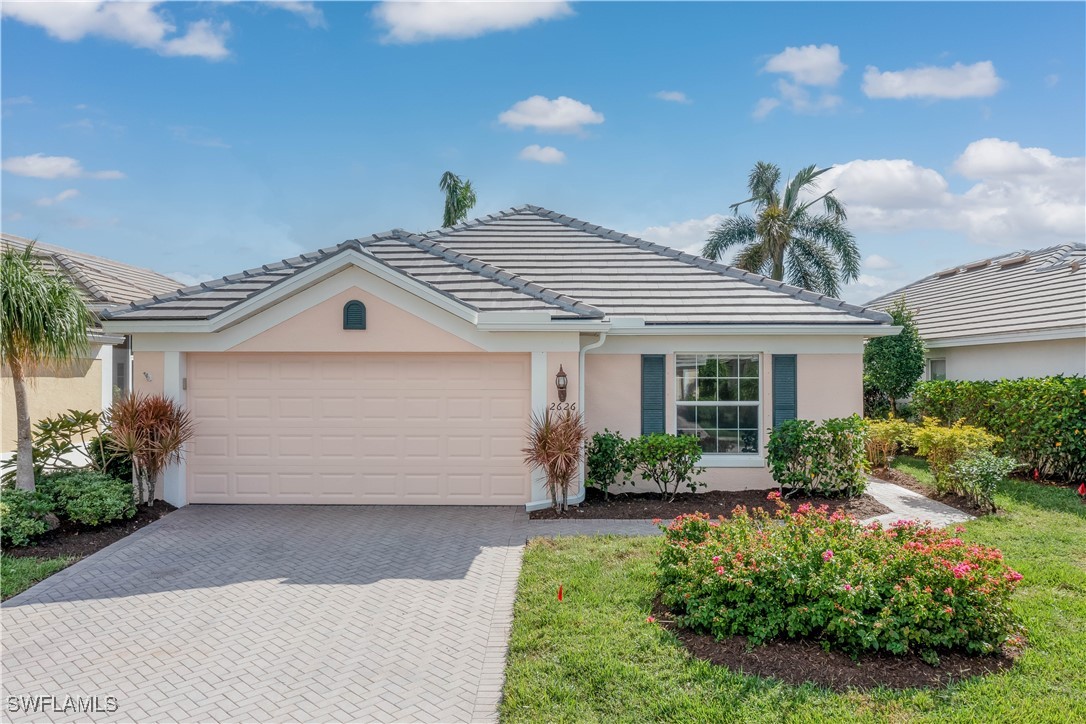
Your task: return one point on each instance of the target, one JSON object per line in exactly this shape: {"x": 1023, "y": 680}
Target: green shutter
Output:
{"x": 354, "y": 315}
{"x": 784, "y": 388}
{"x": 652, "y": 393}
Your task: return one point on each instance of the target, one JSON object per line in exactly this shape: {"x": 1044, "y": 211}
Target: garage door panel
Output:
{"x": 358, "y": 428}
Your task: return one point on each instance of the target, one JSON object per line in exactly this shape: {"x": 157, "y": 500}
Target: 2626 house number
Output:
{"x": 563, "y": 406}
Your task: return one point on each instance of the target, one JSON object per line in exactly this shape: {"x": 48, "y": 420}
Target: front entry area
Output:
{"x": 358, "y": 428}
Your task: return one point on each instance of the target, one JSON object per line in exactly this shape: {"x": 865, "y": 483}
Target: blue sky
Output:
{"x": 199, "y": 139}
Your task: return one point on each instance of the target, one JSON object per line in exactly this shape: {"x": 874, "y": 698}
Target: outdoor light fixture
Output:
{"x": 560, "y": 381}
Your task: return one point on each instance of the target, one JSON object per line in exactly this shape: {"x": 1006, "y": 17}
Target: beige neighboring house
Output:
{"x": 402, "y": 368}
{"x": 87, "y": 384}
{"x": 1021, "y": 314}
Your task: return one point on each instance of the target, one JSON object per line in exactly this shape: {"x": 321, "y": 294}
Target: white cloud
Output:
{"x": 672, "y": 96}
{"x": 958, "y": 81}
{"x": 307, "y": 11}
{"x": 809, "y": 65}
{"x": 561, "y": 115}
{"x": 800, "y": 100}
{"x": 874, "y": 261}
{"x": 414, "y": 22}
{"x": 764, "y": 107}
{"x": 1052, "y": 80}
{"x": 196, "y": 136}
{"x": 1019, "y": 197}
{"x": 542, "y": 154}
{"x": 42, "y": 166}
{"x": 689, "y": 235}
{"x": 140, "y": 24}
{"x": 62, "y": 196}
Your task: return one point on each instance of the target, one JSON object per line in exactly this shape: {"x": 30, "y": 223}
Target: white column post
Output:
{"x": 174, "y": 479}
{"x": 105, "y": 356}
{"x": 539, "y": 498}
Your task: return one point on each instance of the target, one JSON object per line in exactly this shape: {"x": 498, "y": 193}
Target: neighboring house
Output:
{"x": 1021, "y": 314}
{"x": 85, "y": 384}
{"x": 402, "y": 368}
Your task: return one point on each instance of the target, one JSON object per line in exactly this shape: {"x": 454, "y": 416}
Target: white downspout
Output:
{"x": 579, "y": 497}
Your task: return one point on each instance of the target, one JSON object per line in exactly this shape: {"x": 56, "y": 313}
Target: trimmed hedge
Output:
{"x": 22, "y": 516}
{"x": 88, "y": 497}
{"x": 825, "y": 458}
{"x": 1042, "y": 420}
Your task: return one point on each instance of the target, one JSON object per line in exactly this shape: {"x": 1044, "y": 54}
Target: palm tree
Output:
{"x": 815, "y": 250}
{"x": 459, "y": 198}
{"x": 44, "y": 326}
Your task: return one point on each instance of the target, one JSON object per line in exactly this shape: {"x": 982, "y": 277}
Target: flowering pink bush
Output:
{"x": 812, "y": 575}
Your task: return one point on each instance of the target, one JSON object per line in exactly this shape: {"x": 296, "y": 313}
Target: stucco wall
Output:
{"x": 829, "y": 385}
{"x": 79, "y": 387}
{"x": 144, "y": 365}
{"x": 1012, "y": 360}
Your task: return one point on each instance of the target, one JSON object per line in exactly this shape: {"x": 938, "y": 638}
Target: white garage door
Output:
{"x": 358, "y": 428}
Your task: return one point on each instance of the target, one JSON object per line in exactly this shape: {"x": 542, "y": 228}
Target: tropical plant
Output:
{"x": 885, "y": 438}
{"x": 555, "y": 445}
{"x": 668, "y": 461}
{"x": 62, "y": 440}
{"x": 786, "y": 239}
{"x": 459, "y": 198}
{"x": 152, "y": 431}
{"x": 605, "y": 459}
{"x": 894, "y": 364}
{"x": 977, "y": 474}
{"x": 828, "y": 458}
{"x": 87, "y": 497}
{"x": 944, "y": 446}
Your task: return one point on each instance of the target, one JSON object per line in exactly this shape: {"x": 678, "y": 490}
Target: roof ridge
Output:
{"x": 708, "y": 264}
{"x": 80, "y": 276}
{"x": 501, "y": 276}
{"x": 53, "y": 249}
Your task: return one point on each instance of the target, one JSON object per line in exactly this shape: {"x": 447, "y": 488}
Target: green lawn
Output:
{"x": 593, "y": 657}
{"x": 19, "y": 574}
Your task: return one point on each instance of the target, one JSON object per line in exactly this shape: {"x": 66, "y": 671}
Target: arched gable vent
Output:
{"x": 354, "y": 315}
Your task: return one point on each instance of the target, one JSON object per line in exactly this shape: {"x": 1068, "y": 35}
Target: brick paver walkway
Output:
{"x": 282, "y": 613}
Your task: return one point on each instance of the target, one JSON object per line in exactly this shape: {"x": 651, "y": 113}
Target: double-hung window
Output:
{"x": 717, "y": 400}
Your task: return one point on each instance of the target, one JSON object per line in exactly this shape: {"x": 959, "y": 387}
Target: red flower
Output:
{"x": 1082, "y": 489}
{"x": 827, "y": 556}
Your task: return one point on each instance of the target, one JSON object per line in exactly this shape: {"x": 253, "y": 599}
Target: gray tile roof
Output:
{"x": 529, "y": 258}
{"x": 102, "y": 282}
{"x": 1014, "y": 293}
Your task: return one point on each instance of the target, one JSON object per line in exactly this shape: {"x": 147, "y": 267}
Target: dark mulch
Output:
{"x": 799, "y": 662}
{"x": 905, "y": 480}
{"x": 628, "y": 506}
{"x": 72, "y": 539}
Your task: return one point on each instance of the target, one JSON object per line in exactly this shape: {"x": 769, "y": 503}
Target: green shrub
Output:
{"x": 826, "y": 578}
{"x": 1042, "y": 420}
{"x": 944, "y": 446}
{"x": 976, "y": 475}
{"x": 22, "y": 516}
{"x": 109, "y": 461}
{"x": 88, "y": 497}
{"x": 605, "y": 459}
{"x": 885, "y": 438}
{"x": 819, "y": 459}
{"x": 668, "y": 461}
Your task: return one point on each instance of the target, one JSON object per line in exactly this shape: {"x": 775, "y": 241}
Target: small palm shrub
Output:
{"x": 151, "y": 430}
{"x": 811, "y": 575}
{"x": 885, "y": 438}
{"x": 825, "y": 458}
{"x": 88, "y": 497}
{"x": 22, "y": 516}
{"x": 943, "y": 446}
{"x": 605, "y": 460}
{"x": 555, "y": 445}
{"x": 977, "y": 474}
{"x": 668, "y": 461}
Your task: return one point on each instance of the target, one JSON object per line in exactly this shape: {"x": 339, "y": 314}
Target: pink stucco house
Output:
{"x": 402, "y": 368}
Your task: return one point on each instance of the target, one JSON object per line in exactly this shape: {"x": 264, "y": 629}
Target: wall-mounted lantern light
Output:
{"x": 561, "y": 381}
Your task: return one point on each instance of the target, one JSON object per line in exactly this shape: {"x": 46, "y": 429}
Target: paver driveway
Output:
{"x": 272, "y": 613}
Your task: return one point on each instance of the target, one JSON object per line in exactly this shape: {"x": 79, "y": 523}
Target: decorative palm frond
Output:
{"x": 459, "y": 198}
{"x": 555, "y": 446}
{"x": 152, "y": 430}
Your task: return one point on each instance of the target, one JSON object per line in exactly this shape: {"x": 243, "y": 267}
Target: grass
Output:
{"x": 593, "y": 657}
{"x": 20, "y": 573}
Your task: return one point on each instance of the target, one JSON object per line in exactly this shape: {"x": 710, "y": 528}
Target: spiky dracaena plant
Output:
{"x": 152, "y": 430}
{"x": 44, "y": 327}
{"x": 555, "y": 446}
{"x": 786, "y": 239}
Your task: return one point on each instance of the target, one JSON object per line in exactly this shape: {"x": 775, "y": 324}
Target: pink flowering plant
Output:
{"x": 809, "y": 574}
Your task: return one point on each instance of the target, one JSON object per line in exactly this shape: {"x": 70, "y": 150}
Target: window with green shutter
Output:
{"x": 354, "y": 315}
{"x": 718, "y": 401}
{"x": 652, "y": 393}
{"x": 784, "y": 388}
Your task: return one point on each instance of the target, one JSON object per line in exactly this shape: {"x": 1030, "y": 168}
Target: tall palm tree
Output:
{"x": 45, "y": 325}
{"x": 459, "y": 198}
{"x": 786, "y": 237}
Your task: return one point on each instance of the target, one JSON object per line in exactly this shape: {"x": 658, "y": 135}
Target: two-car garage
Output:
{"x": 358, "y": 428}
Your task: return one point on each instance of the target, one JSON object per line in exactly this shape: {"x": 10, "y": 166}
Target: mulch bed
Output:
{"x": 72, "y": 539}
{"x": 799, "y": 662}
{"x": 630, "y": 506}
{"x": 905, "y": 480}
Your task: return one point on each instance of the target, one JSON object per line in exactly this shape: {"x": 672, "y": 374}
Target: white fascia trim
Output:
{"x": 101, "y": 338}
{"x": 720, "y": 330}
{"x": 1007, "y": 338}
{"x": 536, "y": 321}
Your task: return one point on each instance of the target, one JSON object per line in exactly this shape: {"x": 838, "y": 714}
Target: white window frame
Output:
{"x": 936, "y": 359}
{"x": 726, "y": 460}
